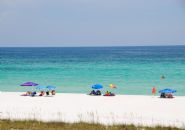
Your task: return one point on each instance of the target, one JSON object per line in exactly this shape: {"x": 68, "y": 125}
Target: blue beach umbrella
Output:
{"x": 167, "y": 90}
{"x": 41, "y": 88}
{"x": 97, "y": 86}
{"x": 49, "y": 87}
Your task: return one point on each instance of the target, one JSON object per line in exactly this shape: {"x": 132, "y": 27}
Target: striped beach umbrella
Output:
{"x": 112, "y": 86}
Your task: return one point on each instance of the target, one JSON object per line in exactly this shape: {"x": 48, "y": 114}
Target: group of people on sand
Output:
{"x": 42, "y": 93}
{"x": 166, "y": 95}
{"x": 163, "y": 95}
{"x": 107, "y": 93}
{"x": 98, "y": 93}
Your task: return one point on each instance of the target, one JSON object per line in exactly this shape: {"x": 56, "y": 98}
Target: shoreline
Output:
{"x": 72, "y": 107}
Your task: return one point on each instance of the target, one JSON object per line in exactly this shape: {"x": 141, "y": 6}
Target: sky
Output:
{"x": 91, "y": 22}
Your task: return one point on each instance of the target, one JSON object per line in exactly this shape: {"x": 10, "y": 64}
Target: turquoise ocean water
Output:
{"x": 73, "y": 70}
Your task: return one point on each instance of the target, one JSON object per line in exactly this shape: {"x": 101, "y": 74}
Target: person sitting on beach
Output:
{"x": 163, "y": 95}
{"x": 47, "y": 93}
{"x": 33, "y": 94}
{"x": 53, "y": 92}
{"x": 28, "y": 93}
{"x": 169, "y": 95}
{"x": 112, "y": 94}
{"x": 42, "y": 93}
{"x": 98, "y": 92}
{"x": 92, "y": 92}
{"x": 109, "y": 94}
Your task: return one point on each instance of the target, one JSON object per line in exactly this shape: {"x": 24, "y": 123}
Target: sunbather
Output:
{"x": 112, "y": 94}
{"x": 98, "y": 92}
{"x": 163, "y": 95}
{"x": 53, "y": 92}
{"x": 169, "y": 95}
{"x": 109, "y": 94}
{"x": 33, "y": 94}
{"x": 42, "y": 93}
{"x": 28, "y": 93}
{"x": 47, "y": 93}
{"x": 92, "y": 92}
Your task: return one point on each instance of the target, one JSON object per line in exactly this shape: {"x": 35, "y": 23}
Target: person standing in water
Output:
{"x": 163, "y": 77}
{"x": 154, "y": 91}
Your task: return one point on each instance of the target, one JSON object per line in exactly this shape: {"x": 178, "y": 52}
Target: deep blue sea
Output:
{"x": 134, "y": 70}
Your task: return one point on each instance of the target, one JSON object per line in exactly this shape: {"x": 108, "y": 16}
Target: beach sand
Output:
{"x": 70, "y": 108}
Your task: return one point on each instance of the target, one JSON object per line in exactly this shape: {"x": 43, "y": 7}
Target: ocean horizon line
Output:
{"x": 87, "y": 46}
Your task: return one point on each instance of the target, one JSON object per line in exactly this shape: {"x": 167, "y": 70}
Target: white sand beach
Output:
{"x": 120, "y": 109}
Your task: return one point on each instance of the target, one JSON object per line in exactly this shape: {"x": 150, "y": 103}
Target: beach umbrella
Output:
{"x": 50, "y": 87}
{"x": 97, "y": 86}
{"x": 41, "y": 88}
{"x": 112, "y": 86}
{"x": 167, "y": 90}
{"x": 29, "y": 84}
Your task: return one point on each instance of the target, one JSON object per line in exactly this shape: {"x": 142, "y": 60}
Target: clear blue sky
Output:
{"x": 91, "y": 22}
